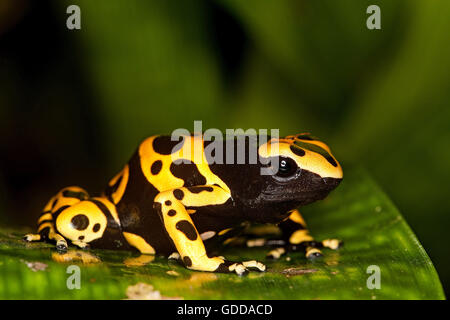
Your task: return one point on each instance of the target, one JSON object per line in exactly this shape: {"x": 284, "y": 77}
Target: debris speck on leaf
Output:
{"x": 296, "y": 271}
{"x": 144, "y": 291}
{"x": 36, "y": 266}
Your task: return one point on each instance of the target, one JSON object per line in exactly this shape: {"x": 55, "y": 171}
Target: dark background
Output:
{"x": 75, "y": 104}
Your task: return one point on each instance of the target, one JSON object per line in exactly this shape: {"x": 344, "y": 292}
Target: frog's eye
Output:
{"x": 286, "y": 167}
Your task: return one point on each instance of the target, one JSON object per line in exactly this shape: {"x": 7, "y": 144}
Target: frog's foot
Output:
{"x": 310, "y": 251}
{"x": 310, "y": 248}
{"x": 61, "y": 243}
{"x": 32, "y": 237}
{"x": 230, "y": 267}
{"x": 241, "y": 268}
{"x": 254, "y": 265}
{"x": 297, "y": 238}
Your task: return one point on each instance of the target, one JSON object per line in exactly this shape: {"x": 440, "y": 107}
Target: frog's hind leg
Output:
{"x": 296, "y": 231}
{"x": 92, "y": 222}
{"x": 46, "y": 231}
{"x": 296, "y": 237}
{"x": 46, "y": 224}
{"x": 73, "y": 216}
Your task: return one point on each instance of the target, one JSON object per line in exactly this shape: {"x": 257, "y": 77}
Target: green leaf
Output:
{"x": 323, "y": 50}
{"x": 146, "y": 61}
{"x": 358, "y": 212}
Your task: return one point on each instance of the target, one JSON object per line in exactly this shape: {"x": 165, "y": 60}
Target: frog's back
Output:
{"x": 159, "y": 164}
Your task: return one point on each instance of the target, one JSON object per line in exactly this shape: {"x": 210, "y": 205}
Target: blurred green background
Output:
{"x": 75, "y": 103}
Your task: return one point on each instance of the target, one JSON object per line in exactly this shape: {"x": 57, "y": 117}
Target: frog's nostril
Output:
{"x": 331, "y": 182}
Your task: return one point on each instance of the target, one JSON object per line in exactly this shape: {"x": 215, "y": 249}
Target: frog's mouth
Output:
{"x": 279, "y": 200}
{"x": 305, "y": 193}
{"x": 301, "y": 198}
{"x": 319, "y": 192}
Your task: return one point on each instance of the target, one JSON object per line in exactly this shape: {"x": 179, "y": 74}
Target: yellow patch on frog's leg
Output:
{"x": 296, "y": 217}
{"x": 32, "y": 237}
{"x": 300, "y": 236}
{"x": 139, "y": 243}
{"x": 171, "y": 205}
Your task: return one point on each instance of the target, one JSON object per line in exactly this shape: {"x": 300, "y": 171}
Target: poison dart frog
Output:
{"x": 172, "y": 199}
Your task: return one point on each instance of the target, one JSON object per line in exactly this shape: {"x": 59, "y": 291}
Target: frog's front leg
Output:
{"x": 296, "y": 237}
{"x": 171, "y": 206}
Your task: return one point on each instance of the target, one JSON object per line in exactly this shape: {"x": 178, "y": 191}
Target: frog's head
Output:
{"x": 307, "y": 171}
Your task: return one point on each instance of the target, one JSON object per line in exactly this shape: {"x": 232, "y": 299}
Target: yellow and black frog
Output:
{"x": 174, "y": 197}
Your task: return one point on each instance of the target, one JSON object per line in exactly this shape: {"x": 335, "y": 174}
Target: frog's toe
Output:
{"x": 258, "y": 242}
{"x": 276, "y": 253}
{"x": 240, "y": 269}
{"x": 313, "y": 253}
{"x": 333, "y": 244}
{"x": 174, "y": 256}
{"x": 254, "y": 265}
{"x": 31, "y": 237}
{"x": 61, "y": 246}
{"x": 230, "y": 267}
